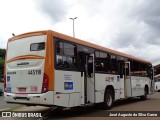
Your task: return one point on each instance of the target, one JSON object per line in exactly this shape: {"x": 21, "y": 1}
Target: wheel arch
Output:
{"x": 110, "y": 87}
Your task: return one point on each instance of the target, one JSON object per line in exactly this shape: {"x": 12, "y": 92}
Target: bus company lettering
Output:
{"x": 109, "y": 79}
{"x": 34, "y": 72}
{"x": 11, "y": 73}
{"x": 67, "y": 77}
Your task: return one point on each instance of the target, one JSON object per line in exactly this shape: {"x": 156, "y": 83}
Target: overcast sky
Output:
{"x": 129, "y": 26}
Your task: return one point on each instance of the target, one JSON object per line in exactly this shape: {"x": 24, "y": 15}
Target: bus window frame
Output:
{"x": 140, "y": 67}
{"x": 56, "y": 39}
{"x": 38, "y": 43}
{"x": 93, "y": 50}
{"x": 105, "y": 72}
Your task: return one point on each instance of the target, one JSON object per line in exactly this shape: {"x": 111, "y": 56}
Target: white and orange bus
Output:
{"x": 52, "y": 69}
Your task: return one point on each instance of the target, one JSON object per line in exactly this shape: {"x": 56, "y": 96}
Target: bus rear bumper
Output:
{"x": 45, "y": 99}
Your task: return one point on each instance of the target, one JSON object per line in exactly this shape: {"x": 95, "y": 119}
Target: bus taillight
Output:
{"x": 5, "y": 89}
{"x": 45, "y": 83}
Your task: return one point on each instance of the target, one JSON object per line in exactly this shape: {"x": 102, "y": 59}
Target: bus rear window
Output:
{"x": 37, "y": 46}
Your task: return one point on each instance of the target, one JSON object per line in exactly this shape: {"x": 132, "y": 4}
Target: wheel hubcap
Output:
{"x": 109, "y": 99}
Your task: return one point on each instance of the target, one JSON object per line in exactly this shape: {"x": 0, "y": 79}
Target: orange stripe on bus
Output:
{"x": 49, "y": 60}
{"x": 27, "y": 35}
{"x": 25, "y": 57}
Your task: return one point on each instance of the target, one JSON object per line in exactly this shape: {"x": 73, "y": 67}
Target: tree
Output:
{"x": 2, "y": 53}
{"x": 2, "y": 57}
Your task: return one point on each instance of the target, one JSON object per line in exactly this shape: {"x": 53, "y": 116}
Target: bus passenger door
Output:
{"x": 90, "y": 79}
{"x": 127, "y": 80}
{"x": 86, "y": 63}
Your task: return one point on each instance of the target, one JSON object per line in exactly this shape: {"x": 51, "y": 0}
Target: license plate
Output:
{"x": 34, "y": 88}
{"x": 22, "y": 89}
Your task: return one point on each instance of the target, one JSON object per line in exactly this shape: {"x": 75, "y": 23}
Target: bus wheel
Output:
{"x": 108, "y": 100}
{"x": 144, "y": 97}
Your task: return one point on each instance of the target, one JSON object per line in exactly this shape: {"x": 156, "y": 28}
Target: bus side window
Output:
{"x": 65, "y": 55}
{"x": 59, "y": 61}
{"x": 59, "y": 47}
{"x": 102, "y": 62}
{"x": 120, "y": 68}
{"x": 98, "y": 66}
{"x": 113, "y": 63}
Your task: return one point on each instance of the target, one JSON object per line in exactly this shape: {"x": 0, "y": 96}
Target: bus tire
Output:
{"x": 108, "y": 99}
{"x": 144, "y": 97}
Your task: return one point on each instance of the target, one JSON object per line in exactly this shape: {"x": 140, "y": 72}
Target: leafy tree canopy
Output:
{"x": 2, "y": 53}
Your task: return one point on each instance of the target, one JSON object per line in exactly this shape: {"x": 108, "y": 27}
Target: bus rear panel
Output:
{"x": 25, "y": 79}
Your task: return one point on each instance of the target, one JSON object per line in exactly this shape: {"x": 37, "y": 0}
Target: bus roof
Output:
{"x": 75, "y": 40}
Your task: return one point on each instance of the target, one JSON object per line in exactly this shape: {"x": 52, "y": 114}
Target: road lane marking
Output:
{"x": 5, "y": 109}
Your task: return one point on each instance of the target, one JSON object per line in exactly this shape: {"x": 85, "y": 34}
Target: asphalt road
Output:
{"x": 151, "y": 105}
{"x": 3, "y": 104}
